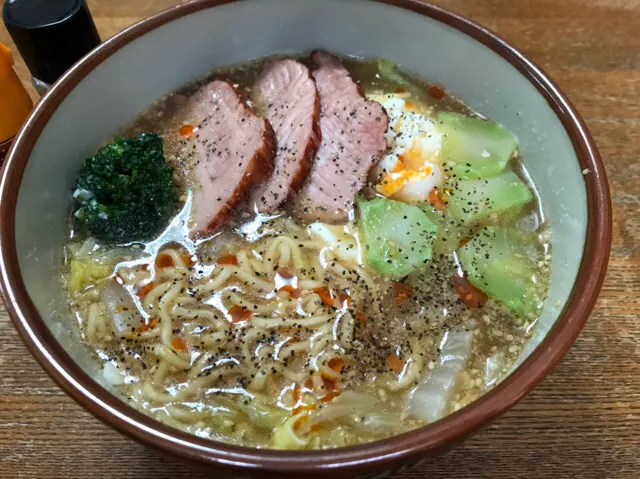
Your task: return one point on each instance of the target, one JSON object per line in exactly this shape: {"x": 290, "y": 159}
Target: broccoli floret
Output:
{"x": 125, "y": 193}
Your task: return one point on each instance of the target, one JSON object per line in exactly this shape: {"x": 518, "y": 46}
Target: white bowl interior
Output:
{"x": 160, "y": 61}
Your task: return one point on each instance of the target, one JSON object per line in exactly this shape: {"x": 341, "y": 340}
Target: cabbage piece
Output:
{"x": 497, "y": 261}
{"x": 390, "y": 72}
{"x": 260, "y": 414}
{"x": 347, "y": 405}
{"x": 263, "y": 415}
{"x": 429, "y": 400}
{"x": 86, "y": 272}
{"x": 398, "y": 237}
{"x": 479, "y": 148}
{"x": 120, "y": 306}
{"x": 474, "y": 200}
{"x": 285, "y": 437}
{"x": 493, "y": 369}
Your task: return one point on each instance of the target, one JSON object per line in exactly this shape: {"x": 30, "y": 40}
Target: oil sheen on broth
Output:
{"x": 276, "y": 333}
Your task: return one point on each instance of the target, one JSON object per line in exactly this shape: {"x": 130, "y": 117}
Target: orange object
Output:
{"x": 229, "y": 259}
{"x": 147, "y": 326}
{"x": 403, "y": 292}
{"x": 463, "y": 242}
{"x": 295, "y": 293}
{"x": 329, "y": 396}
{"x": 189, "y": 260}
{"x": 15, "y": 101}
{"x": 469, "y": 294}
{"x": 239, "y": 314}
{"x": 343, "y": 297}
{"x": 187, "y": 131}
{"x": 436, "y": 92}
{"x": 436, "y": 199}
{"x": 395, "y": 363}
{"x": 179, "y": 345}
{"x": 145, "y": 289}
{"x": 337, "y": 364}
{"x": 164, "y": 260}
{"x": 329, "y": 384}
{"x": 284, "y": 273}
{"x": 300, "y": 422}
{"x": 295, "y": 394}
{"x": 325, "y": 295}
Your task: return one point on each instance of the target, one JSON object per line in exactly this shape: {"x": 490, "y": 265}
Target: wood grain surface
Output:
{"x": 583, "y": 421}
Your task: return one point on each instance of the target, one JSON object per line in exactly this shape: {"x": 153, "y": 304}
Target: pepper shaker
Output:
{"x": 51, "y": 35}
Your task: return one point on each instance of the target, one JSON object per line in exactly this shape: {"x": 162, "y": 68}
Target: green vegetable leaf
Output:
{"x": 498, "y": 262}
{"x": 478, "y": 148}
{"x": 398, "y": 237}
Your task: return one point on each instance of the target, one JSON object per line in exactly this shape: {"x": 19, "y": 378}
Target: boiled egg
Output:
{"x": 412, "y": 168}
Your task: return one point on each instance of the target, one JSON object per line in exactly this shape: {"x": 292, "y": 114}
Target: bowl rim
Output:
{"x": 367, "y": 457}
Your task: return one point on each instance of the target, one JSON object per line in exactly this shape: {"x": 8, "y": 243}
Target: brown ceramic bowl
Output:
{"x": 115, "y": 82}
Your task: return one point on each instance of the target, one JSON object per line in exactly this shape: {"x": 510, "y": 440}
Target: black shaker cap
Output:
{"x": 51, "y": 35}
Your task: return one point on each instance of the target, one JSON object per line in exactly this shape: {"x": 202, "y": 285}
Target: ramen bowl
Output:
{"x": 115, "y": 82}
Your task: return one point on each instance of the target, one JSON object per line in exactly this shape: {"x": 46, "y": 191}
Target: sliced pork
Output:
{"x": 286, "y": 95}
{"x": 235, "y": 153}
{"x": 353, "y": 140}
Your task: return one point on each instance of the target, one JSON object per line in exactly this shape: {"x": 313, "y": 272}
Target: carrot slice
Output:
{"x": 303, "y": 407}
{"x": 298, "y": 424}
{"x": 298, "y": 406}
{"x": 284, "y": 273}
{"x": 325, "y": 295}
{"x": 144, "y": 290}
{"x": 329, "y": 396}
{"x": 343, "y": 297}
{"x": 463, "y": 242}
{"x": 469, "y": 294}
{"x": 295, "y": 293}
{"x": 189, "y": 260}
{"x": 179, "y": 344}
{"x": 395, "y": 363}
{"x": 337, "y": 364}
{"x": 436, "y": 92}
{"x": 240, "y": 313}
{"x": 147, "y": 326}
{"x": 295, "y": 393}
{"x": 230, "y": 259}
{"x": 164, "y": 260}
{"x": 187, "y": 131}
{"x": 329, "y": 384}
{"x": 362, "y": 319}
{"x": 402, "y": 292}
{"x": 437, "y": 200}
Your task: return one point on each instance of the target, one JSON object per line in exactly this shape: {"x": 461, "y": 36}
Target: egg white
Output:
{"x": 412, "y": 168}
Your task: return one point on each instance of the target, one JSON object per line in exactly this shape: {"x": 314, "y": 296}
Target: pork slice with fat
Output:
{"x": 286, "y": 95}
{"x": 353, "y": 141}
{"x": 235, "y": 151}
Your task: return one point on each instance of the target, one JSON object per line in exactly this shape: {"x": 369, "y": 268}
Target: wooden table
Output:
{"x": 582, "y": 422}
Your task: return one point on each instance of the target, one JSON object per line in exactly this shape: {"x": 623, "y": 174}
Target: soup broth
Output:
{"x": 275, "y": 332}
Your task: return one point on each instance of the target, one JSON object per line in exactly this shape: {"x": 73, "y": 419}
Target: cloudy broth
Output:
{"x": 264, "y": 335}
